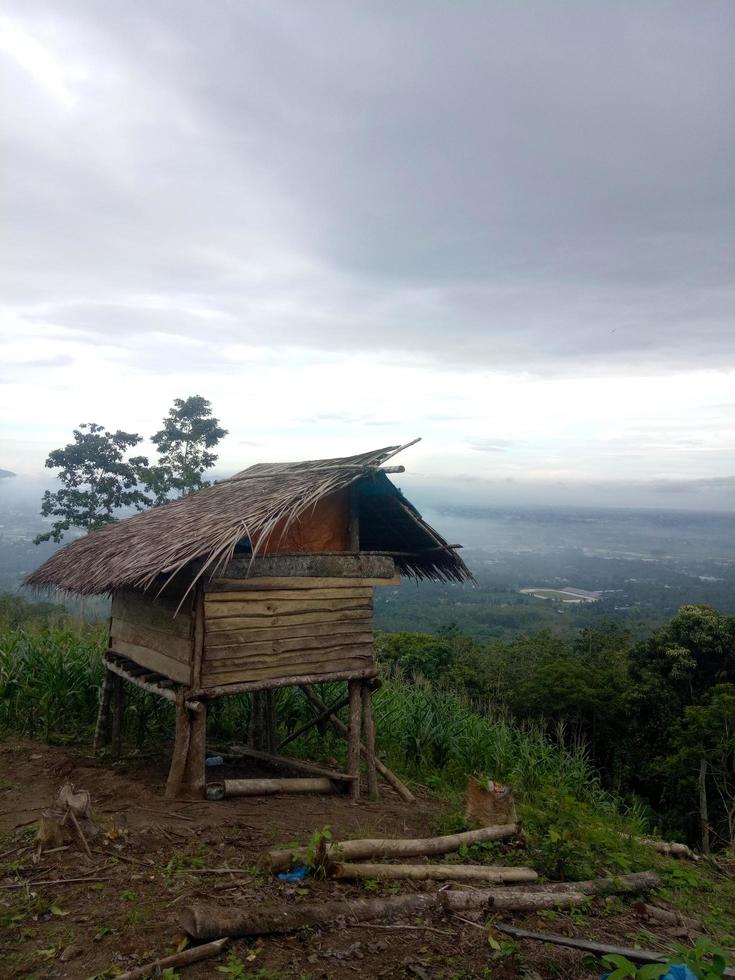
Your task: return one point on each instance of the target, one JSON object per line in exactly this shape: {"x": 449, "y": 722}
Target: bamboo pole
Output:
{"x": 368, "y": 728}
{"x": 356, "y": 850}
{"x": 403, "y": 791}
{"x": 269, "y": 787}
{"x": 353, "y": 742}
{"x": 102, "y": 728}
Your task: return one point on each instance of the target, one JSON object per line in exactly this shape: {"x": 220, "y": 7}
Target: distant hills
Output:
{"x": 6, "y": 474}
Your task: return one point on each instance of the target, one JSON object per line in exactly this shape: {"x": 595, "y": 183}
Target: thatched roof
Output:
{"x": 202, "y": 531}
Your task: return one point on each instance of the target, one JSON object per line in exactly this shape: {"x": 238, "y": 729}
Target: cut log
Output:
{"x": 403, "y": 791}
{"x": 269, "y": 787}
{"x": 433, "y": 872}
{"x": 666, "y": 917}
{"x": 386, "y": 848}
{"x": 208, "y": 922}
{"x": 284, "y": 762}
{"x": 187, "y": 956}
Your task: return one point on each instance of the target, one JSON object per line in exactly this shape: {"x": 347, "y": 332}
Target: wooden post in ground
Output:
{"x": 353, "y": 739}
{"x": 181, "y": 747}
{"x": 390, "y": 777}
{"x": 255, "y": 727}
{"x": 269, "y": 721}
{"x": 118, "y": 707}
{"x": 102, "y": 728}
{"x": 196, "y": 764}
{"x": 368, "y": 728}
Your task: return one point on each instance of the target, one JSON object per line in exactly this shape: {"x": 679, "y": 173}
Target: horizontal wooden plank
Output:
{"x": 235, "y": 638}
{"x": 283, "y": 595}
{"x": 361, "y": 649}
{"x": 298, "y": 670}
{"x": 177, "y": 647}
{"x": 274, "y": 607}
{"x": 272, "y": 648}
{"x": 323, "y": 566}
{"x": 294, "y": 582}
{"x": 153, "y": 659}
{"x": 272, "y": 622}
{"x": 146, "y": 610}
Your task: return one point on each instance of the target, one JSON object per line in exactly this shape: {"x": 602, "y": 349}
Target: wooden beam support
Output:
{"x": 118, "y": 708}
{"x": 284, "y": 762}
{"x": 321, "y": 717}
{"x": 368, "y": 728}
{"x": 162, "y": 686}
{"x": 102, "y": 728}
{"x": 223, "y": 690}
{"x": 403, "y": 791}
{"x": 181, "y": 748}
{"x": 353, "y": 741}
{"x": 195, "y": 777}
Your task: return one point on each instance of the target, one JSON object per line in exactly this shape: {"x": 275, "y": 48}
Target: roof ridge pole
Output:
{"x": 406, "y": 445}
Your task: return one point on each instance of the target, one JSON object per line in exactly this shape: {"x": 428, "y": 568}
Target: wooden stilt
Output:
{"x": 368, "y": 730}
{"x": 353, "y": 740}
{"x": 390, "y": 777}
{"x": 102, "y": 728}
{"x": 255, "y": 728}
{"x": 118, "y": 707}
{"x": 269, "y": 719}
{"x": 195, "y": 769}
{"x": 181, "y": 748}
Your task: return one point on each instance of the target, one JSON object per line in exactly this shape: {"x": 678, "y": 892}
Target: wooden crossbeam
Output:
{"x": 149, "y": 681}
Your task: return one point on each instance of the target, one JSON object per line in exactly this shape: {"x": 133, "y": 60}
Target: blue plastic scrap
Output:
{"x": 298, "y": 874}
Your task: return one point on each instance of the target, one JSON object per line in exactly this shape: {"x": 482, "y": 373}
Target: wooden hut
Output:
{"x": 256, "y": 582}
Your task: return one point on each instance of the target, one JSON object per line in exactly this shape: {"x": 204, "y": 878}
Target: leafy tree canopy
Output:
{"x": 184, "y": 446}
{"x": 97, "y": 480}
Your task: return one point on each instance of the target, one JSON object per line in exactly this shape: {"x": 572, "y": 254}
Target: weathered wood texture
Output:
{"x": 265, "y": 634}
{"x": 149, "y": 631}
{"x": 311, "y": 566}
{"x": 270, "y": 787}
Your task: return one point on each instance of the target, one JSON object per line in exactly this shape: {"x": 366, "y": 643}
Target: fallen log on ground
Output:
{"x": 666, "y": 917}
{"x": 187, "y": 956}
{"x": 669, "y": 848}
{"x": 269, "y": 787}
{"x": 386, "y": 848}
{"x": 589, "y": 946}
{"x": 433, "y": 872}
{"x": 208, "y": 922}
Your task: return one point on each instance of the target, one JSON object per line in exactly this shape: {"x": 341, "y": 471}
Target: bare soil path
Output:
{"x": 153, "y": 856}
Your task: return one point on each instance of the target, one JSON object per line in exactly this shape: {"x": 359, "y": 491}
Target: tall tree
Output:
{"x": 184, "y": 446}
{"x": 97, "y": 480}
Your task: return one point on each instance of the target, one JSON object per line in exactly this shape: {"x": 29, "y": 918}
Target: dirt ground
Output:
{"x": 151, "y": 859}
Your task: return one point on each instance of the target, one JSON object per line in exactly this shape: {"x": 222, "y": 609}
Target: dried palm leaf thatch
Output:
{"x": 206, "y": 527}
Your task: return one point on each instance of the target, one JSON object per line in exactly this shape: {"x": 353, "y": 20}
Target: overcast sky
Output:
{"x": 506, "y": 227}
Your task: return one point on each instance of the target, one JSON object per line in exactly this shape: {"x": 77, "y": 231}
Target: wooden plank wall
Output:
{"x": 262, "y": 629}
{"x": 145, "y": 629}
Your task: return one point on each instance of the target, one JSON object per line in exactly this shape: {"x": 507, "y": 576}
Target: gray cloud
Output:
{"x": 523, "y": 186}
